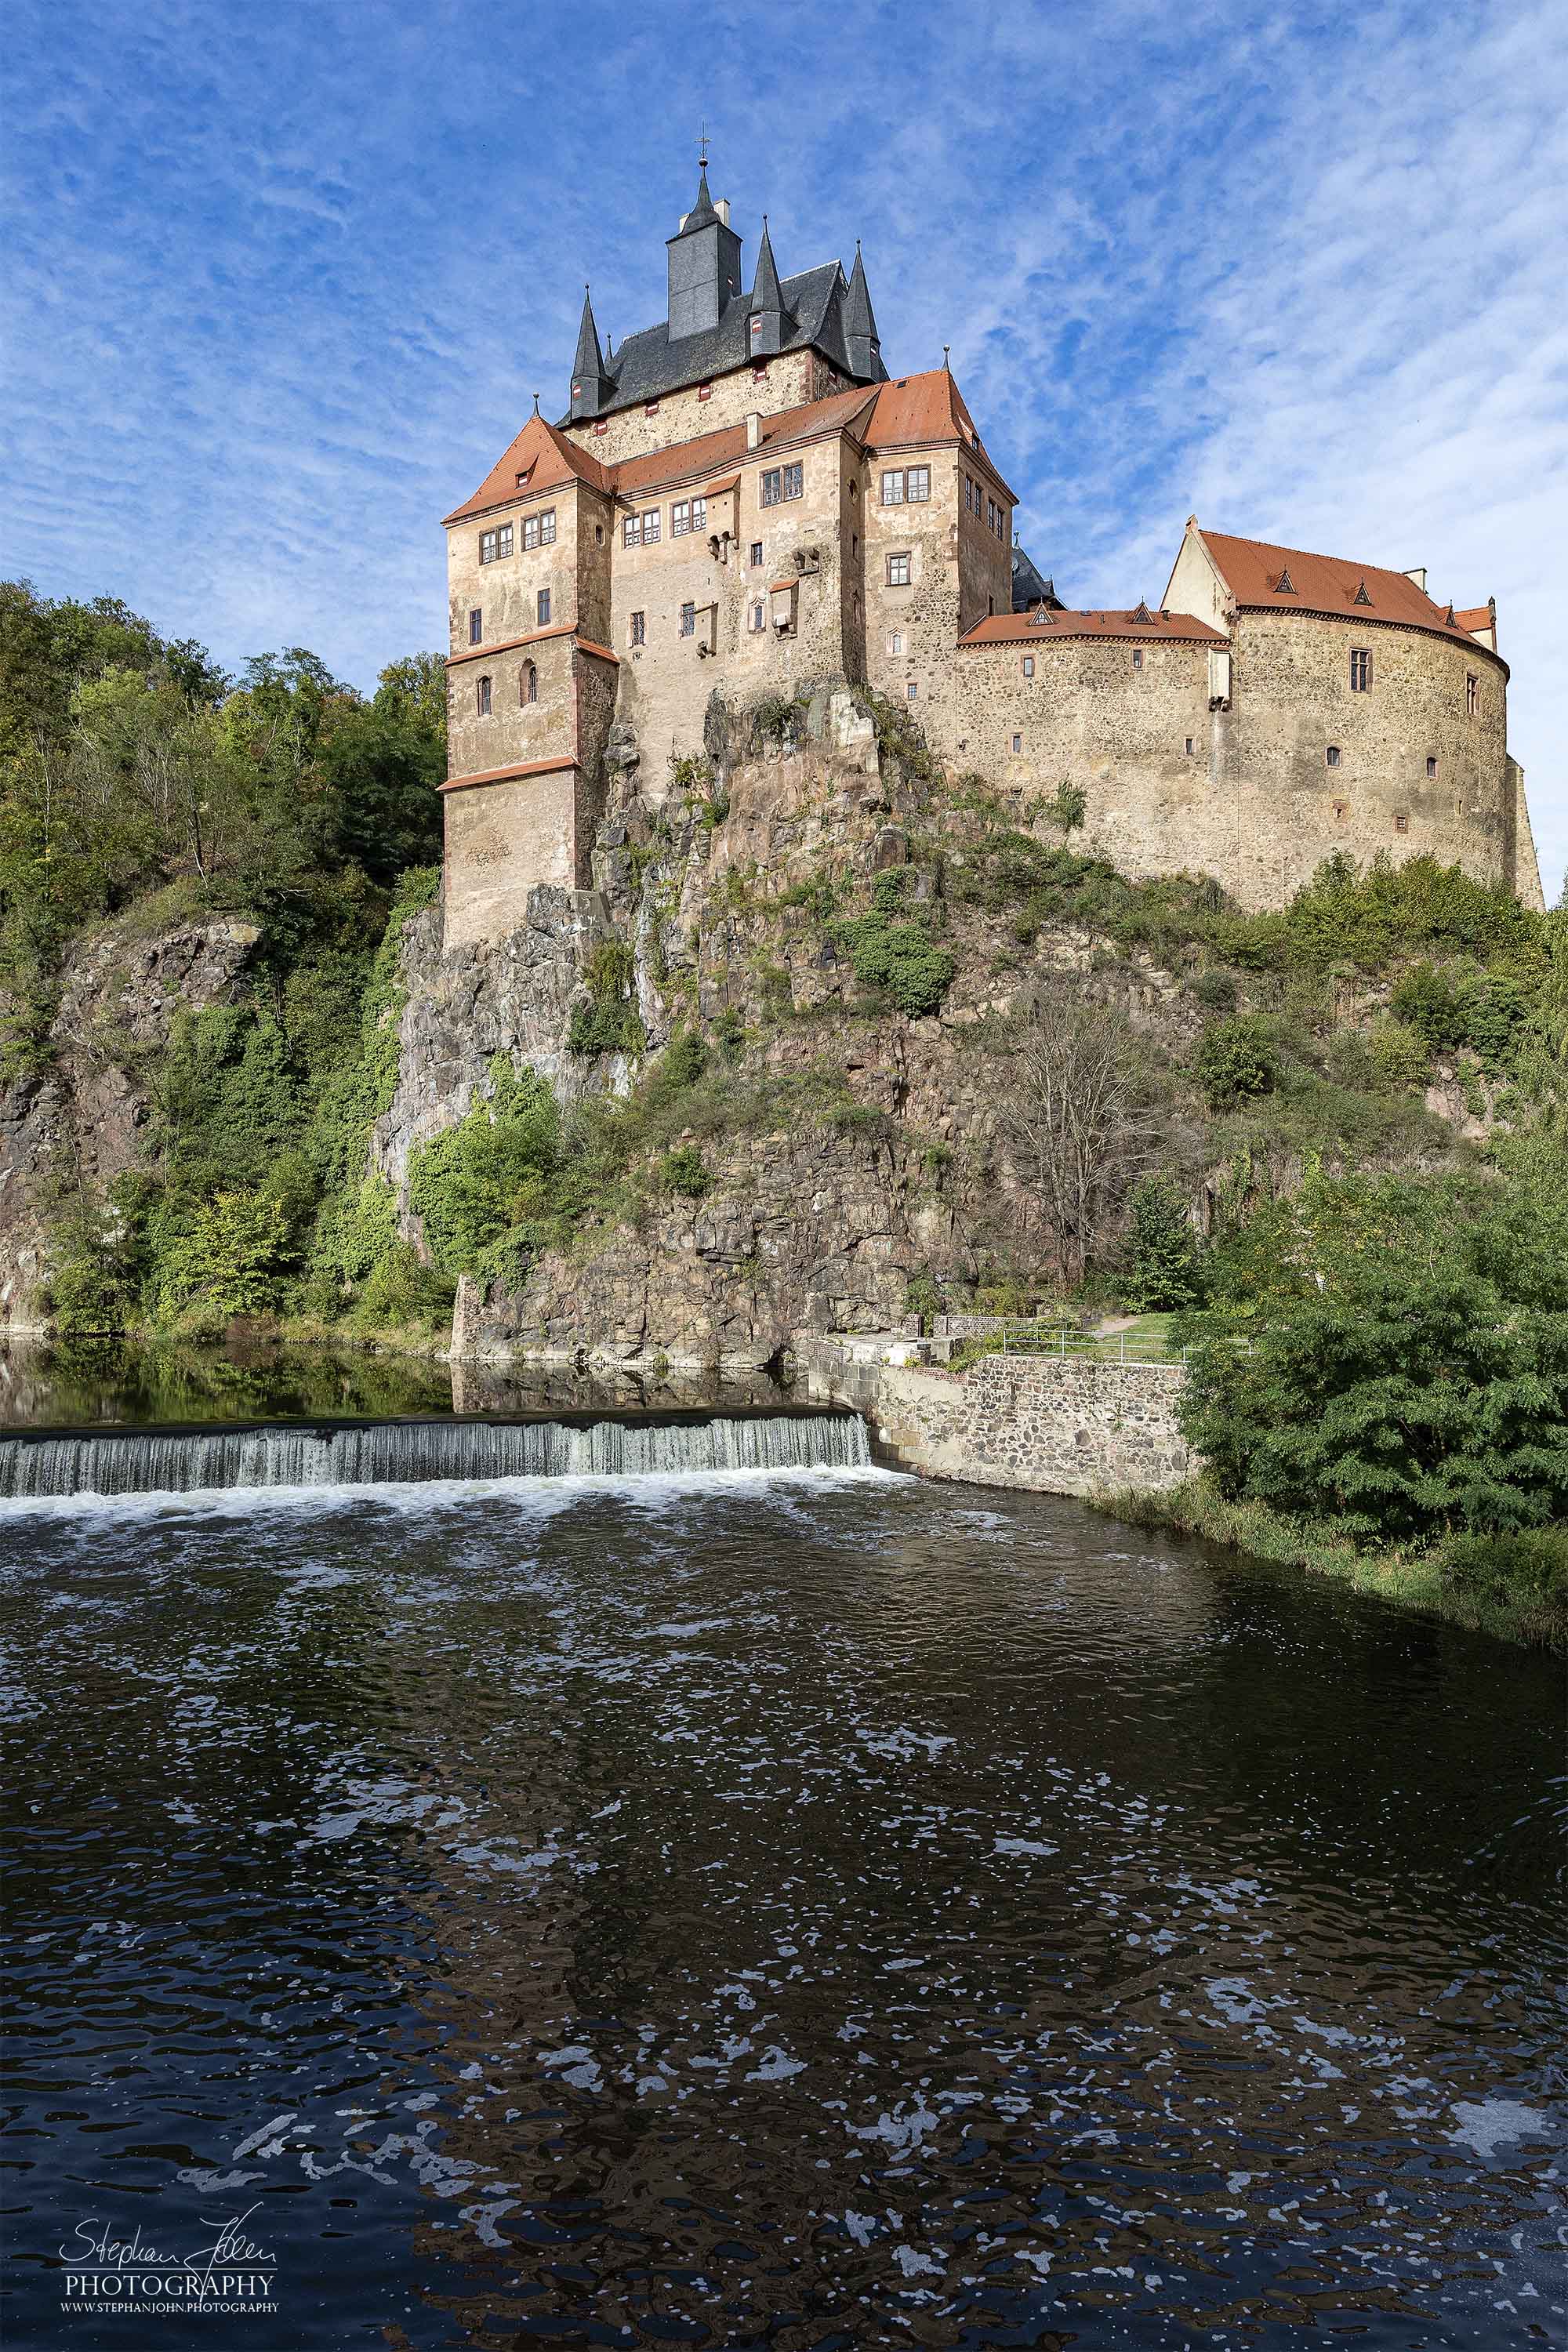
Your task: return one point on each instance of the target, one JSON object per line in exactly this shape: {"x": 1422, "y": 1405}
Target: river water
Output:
{"x": 805, "y": 1909}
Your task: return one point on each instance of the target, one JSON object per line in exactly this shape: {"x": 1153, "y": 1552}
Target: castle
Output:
{"x": 741, "y": 497}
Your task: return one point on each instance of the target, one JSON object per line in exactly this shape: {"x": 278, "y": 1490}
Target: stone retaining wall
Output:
{"x": 1078, "y": 1427}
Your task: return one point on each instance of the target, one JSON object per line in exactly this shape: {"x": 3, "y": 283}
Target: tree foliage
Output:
{"x": 1081, "y": 1117}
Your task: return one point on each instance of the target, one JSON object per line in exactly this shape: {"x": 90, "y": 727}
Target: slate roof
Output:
{"x": 1031, "y": 586}
{"x": 647, "y": 365}
{"x": 1326, "y": 584}
{"x": 1022, "y": 628}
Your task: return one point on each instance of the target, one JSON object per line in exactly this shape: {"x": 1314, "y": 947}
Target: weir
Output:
{"x": 37, "y": 1463}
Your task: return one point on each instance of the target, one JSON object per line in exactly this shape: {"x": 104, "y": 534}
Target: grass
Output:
{"x": 1430, "y": 1580}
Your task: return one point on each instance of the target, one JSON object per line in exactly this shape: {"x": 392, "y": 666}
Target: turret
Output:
{"x": 765, "y": 327}
{"x": 591, "y": 387}
{"x": 704, "y": 267}
{"x": 861, "y": 337}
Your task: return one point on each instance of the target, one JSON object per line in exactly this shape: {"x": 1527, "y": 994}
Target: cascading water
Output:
{"x": 144, "y": 1462}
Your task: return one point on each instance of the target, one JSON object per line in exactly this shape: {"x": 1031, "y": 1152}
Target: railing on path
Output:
{"x": 1040, "y": 1336}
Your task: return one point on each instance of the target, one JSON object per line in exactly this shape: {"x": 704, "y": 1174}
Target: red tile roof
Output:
{"x": 546, "y": 457}
{"x": 727, "y": 445}
{"x": 1022, "y": 628}
{"x": 917, "y": 411}
{"x": 1332, "y": 584}
{"x": 1476, "y": 617}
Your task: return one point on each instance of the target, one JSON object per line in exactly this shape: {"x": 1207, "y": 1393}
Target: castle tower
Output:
{"x": 704, "y": 256}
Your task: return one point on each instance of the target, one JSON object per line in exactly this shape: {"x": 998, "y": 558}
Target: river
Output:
{"x": 802, "y": 1908}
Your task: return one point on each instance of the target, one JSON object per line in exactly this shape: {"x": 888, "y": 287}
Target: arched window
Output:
{"x": 528, "y": 683}
{"x": 482, "y": 698}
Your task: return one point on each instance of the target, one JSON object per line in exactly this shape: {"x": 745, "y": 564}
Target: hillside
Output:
{"x": 836, "y": 1035}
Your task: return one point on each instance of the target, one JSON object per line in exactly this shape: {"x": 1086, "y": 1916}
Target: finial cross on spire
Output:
{"x": 703, "y": 159}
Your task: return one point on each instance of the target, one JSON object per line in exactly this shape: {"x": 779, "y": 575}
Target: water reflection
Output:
{"x": 814, "y": 1912}
{"x": 95, "y": 1383}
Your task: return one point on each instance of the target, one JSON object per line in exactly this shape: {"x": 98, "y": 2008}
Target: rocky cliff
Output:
{"x": 82, "y": 1118}
{"x": 877, "y": 1160}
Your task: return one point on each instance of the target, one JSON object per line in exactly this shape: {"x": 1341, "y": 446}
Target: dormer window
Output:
{"x": 756, "y": 323}
{"x": 522, "y": 478}
{"x": 705, "y": 392}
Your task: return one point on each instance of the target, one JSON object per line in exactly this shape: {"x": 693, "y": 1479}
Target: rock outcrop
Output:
{"x": 83, "y": 1115}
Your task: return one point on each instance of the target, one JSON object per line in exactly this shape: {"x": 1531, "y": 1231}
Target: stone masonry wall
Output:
{"x": 1033, "y": 1421}
{"x": 788, "y": 380}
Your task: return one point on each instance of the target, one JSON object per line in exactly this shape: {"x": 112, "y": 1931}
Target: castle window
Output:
{"x": 757, "y": 617}
{"x": 757, "y": 551}
{"x": 494, "y": 544}
{"x": 631, "y": 531}
{"x": 1191, "y": 747}
{"x": 528, "y": 683}
{"x": 1332, "y": 755}
{"x": 760, "y": 374}
{"x": 1137, "y": 657}
{"x": 896, "y": 642}
{"x": 601, "y": 427}
{"x": 1341, "y": 810}
{"x": 650, "y": 526}
{"x": 795, "y": 479}
{"x": 1401, "y": 822}
{"x": 892, "y": 489}
{"x": 543, "y": 605}
{"x": 780, "y": 482}
{"x": 705, "y": 392}
{"x": 638, "y": 631}
{"x": 1360, "y": 672}
{"x": 650, "y": 408}
{"x": 477, "y": 625}
{"x": 482, "y": 698}
{"x": 680, "y": 517}
{"x": 1431, "y": 765}
{"x": 699, "y": 514}
{"x": 598, "y": 534}
{"x": 1472, "y": 694}
{"x": 991, "y": 514}
{"x": 911, "y": 690}
{"x": 539, "y": 531}
{"x": 522, "y": 477}
{"x": 1028, "y": 665}
{"x": 1017, "y": 742}
{"x": 898, "y": 571}
{"x": 689, "y": 620}
{"x": 917, "y": 485}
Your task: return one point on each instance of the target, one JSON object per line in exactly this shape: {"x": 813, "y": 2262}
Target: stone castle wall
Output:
{"x": 787, "y": 380}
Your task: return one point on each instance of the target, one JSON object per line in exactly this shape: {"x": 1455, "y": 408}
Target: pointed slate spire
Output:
{"x": 1450, "y": 618}
{"x": 703, "y": 210}
{"x": 590, "y": 384}
{"x": 765, "y": 327}
{"x": 861, "y": 339}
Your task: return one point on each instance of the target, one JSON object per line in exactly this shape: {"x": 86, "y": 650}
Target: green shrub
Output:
{"x": 229, "y": 1255}
{"x": 684, "y": 1172}
{"x": 1164, "y": 1270}
{"x": 1528, "y": 1570}
{"x": 479, "y": 1181}
{"x": 1396, "y": 1403}
{"x": 1429, "y": 1003}
{"x": 1236, "y": 1059}
{"x": 1397, "y": 1056}
{"x": 897, "y": 960}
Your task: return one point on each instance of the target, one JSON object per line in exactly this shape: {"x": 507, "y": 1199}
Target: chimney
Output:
{"x": 1417, "y": 573}
{"x": 722, "y": 206}
{"x": 753, "y": 429}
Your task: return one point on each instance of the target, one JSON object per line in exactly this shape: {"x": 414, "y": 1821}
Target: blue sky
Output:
{"x": 284, "y": 277}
